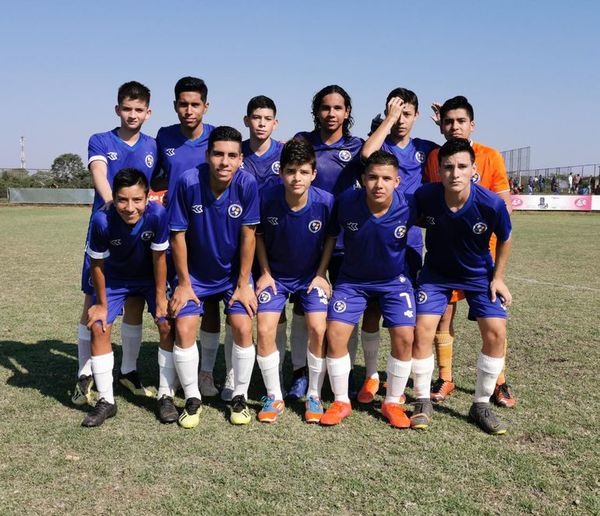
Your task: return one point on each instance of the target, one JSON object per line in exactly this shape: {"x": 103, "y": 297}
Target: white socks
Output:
{"x": 166, "y": 374}
{"x": 209, "y": 343}
{"x": 243, "y": 362}
{"x": 353, "y": 346}
{"x": 317, "y": 367}
{"x": 398, "y": 372}
{"x": 488, "y": 370}
{"x": 281, "y": 341}
{"x": 422, "y": 370}
{"x": 269, "y": 367}
{"x": 370, "y": 344}
{"x": 102, "y": 368}
{"x": 298, "y": 341}
{"x": 339, "y": 369}
{"x": 84, "y": 350}
{"x": 227, "y": 348}
{"x": 186, "y": 364}
{"x": 131, "y": 338}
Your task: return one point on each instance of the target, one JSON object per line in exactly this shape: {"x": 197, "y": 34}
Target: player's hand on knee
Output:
{"x": 499, "y": 288}
{"x": 180, "y": 298}
{"x": 245, "y": 295}
{"x": 264, "y": 282}
{"x": 162, "y": 309}
{"x": 97, "y": 313}
{"x": 322, "y": 283}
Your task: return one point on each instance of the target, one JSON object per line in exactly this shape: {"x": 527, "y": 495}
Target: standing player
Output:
{"x": 181, "y": 147}
{"x": 457, "y": 121}
{"x": 127, "y": 250}
{"x": 109, "y": 152}
{"x": 293, "y": 221}
{"x": 375, "y": 221}
{"x": 338, "y": 169}
{"x": 460, "y": 217}
{"x": 393, "y": 135}
{"x": 213, "y": 213}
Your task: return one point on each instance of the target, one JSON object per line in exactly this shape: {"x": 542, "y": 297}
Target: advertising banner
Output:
{"x": 554, "y": 202}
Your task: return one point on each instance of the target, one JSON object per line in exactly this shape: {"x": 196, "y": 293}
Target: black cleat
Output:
{"x": 100, "y": 413}
{"x": 485, "y": 419}
{"x": 167, "y": 413}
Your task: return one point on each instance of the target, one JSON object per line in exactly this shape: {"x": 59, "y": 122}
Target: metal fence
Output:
{"x": 517, "y": 160}
{"x": 585, "y": 171}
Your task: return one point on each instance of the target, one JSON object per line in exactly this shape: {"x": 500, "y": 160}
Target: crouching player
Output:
{"x": 375, "y": 221}
{"x": 127, "y": 250}
{"x": 294, "y": 218}
{"x": 460, "y": 216}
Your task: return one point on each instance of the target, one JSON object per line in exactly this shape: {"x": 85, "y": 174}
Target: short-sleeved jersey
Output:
{"x": 126, "y": 250}
{"x": 265, "y": 168}
{"x": 213, "y": 226}
{"x": 294, "y": 239}
{"x": 338, "y": 165}
{"x": 176, "y": 153}
{"x": 110, "y": 149}
{"x": 374, "y": 247}
{"x": 458, "y": 253}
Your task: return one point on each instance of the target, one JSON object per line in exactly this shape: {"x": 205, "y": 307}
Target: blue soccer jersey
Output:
{"x": 294, "y": 239}
{"x": 265, "y": 168}
{"x": 374, "y": 248}
{"x": 458, "y": 254}
{"x": 126, "y": 250}
{"x": 213, "y": 226}
{"x": 113, "y": 151}
{"x": 338, "y": 165}
{"x": 176, "y": 153}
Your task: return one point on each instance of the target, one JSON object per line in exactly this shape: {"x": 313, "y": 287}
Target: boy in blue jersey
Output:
{"x": 127, "y": 250}
{"x": 293, "y": 221}
{"x": 375, "y": 221}
{"x": 181, "y": 147}
{"x": 109, "y": 152}
{"x": 460, "y": 217}
{"x": 394, "y": 135}
{"x": 213, "y": 213}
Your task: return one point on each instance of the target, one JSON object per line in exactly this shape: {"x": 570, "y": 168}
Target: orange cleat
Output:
{"x": 503, "y": 396}
{"x": 368, "y": 390}
{"x": 394, "y": 413}
{"x": 337, "y": 411}
{"x": 441, "y": 389}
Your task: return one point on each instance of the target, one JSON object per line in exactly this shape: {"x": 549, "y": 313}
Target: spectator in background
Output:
{"x": 554, "y": 185}
{"x": 576, "y": 183}
{"x": 593, "y": 185}
{"x": 570, "y": 182}
{"x": 530, "y": 185}
{"x": 541, "y": 182}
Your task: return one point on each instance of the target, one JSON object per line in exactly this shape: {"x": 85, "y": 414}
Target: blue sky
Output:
{"x": 531, "y": 69}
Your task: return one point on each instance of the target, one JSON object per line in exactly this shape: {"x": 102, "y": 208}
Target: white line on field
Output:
{"x": 549, "y": 283}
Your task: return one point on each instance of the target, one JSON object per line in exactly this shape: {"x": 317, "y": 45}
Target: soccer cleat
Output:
{"x": 100, "y": 413}
{"x": 83, "y": 391}
{"x": 227, "y": 392}
{"x": 299, "y": 385}
{"x": 503, "y": 396}
{"x": 131, "y": 381}
{"x": 352, "y": 392}
{"x": 167, "y": 413}
{"x": 441, "y": 389}
{"x": 240, "y": 413}
{"x": 314, "y": 410}
{"x": 271, "y": 410}
{"x": 206, "y": 384}
{"x": 337, "y": 411}
{"x": 395, "y": 414}
{"x": 190, "y": 417}
{"x": 422, "y": 414}
{"x": 485, "y": 419}
{"x": 368, "y": 390}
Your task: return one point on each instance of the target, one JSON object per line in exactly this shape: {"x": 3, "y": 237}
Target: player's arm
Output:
{"x": 183, "y": 292}
{"x": 244, "y": 293}
{"x": 497, "y": 285}
{"x": 99, "y": 172}
{"x": 98, "y": 311}
{"x": 375, "y": 141}
{"x": 159, "y": 265}
{"x": 265, "y": 280}
{"x": 320, "y": 279}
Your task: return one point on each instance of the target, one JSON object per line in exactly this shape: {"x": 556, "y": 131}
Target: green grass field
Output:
{"x": 548, "y": 462}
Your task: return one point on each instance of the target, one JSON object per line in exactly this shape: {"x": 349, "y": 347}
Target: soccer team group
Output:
{"x": 326, "y": 221}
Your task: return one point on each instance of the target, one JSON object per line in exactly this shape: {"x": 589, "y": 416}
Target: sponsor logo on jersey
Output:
{"x": 264, "y": 297}
{"x": 402, "y": 278}
{"x": 345, "y": 155}
{"x": 430, "y": 221}
{"x": 475, "y": 177}
{"x": 112, "y": 156}
{"x": 234, "y": 211}
{"x": 170, "y": 152}
{"x": 421, "y": 297}
{"x": 408, "y": 313}
{"x": 197, "y": 208}
{"x": 274, "y": 221}
{"x": 322, "y": 296}
{"x": 147, "y": 235}
{"x": 275, "y": 167}
{"x": 115, "y": 242}
{"x": 339, "y": 307}
{"x": 149, "y": 160}
{"x": 400, "y": 231}
{"x": 479, "y": 228}
{"x": 314, "y": 226}
{"x": 242, "y": 165}
{"x": 352, "y": 226}
{"x": 420, "y": 156}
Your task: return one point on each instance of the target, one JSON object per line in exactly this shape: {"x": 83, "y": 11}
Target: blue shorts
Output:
{"x": 316, "y": 301}
{"x": 433, "y": 299}
{"x": 397, "y": 304}
{"x": 117, "y": 295}
{"x": 192, "y": 308}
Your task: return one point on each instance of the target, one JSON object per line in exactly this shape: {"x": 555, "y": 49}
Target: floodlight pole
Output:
{"x": 23, "y": 162}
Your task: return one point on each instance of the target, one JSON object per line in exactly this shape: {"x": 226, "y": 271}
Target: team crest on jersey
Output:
{"x": 421, "y": 297}
{"x": 274, "y": 221}
{"x": 314, "y": 226}
{"x": 475, "y": 177}
{"x": 115, "y": 242}
{"x": 352, "y": 226}
{"x": 235, "y": 210}
{"x": 197, "y": 208}
{"x": 400, "y": 231}
{"x": 112, "y": 156}
{"x": 170, "y": 152}
{"x": 339, "y": 307}
{"x": 149, "y": 160}
{"x": 345, "y": 155}
{"x": 479, "y": 228}
{"x": 264, "y": 297}
{"x": 430, "y": 221}
{"x": 147, "y": 235}
{"x": 420, "y": 156}
{"x": 275, "y": 167}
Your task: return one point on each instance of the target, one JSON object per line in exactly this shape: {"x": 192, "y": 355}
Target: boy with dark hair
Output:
{"x": 375, "y": 221}
{"x": 213, "y": 213}
{"x": 456, "y": 120}
{"x": 460, "y": 217}
{"x": 123, "y": 147}
{"x": 294, "y": 216}
{"x": 127, "y": 250}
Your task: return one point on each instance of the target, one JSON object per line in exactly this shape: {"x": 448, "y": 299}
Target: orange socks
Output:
{"x": 502, "y": 378}
{"x": 443, "y": 351}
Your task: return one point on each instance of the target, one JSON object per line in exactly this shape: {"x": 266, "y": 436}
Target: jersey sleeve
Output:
{"x": 177, "y": 214}
{"x": 161, "y": 231}
{"x": 98, "y": 244}
{"x": 500, "y": 181}
{"x": 431, "y": 172}
{"x": 503, "y": 226}
{"x": 251, "y": 199}
{"x": 96, "y": 149}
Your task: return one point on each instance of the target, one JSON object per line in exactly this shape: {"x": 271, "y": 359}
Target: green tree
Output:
{"x": 69, "y": 171}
